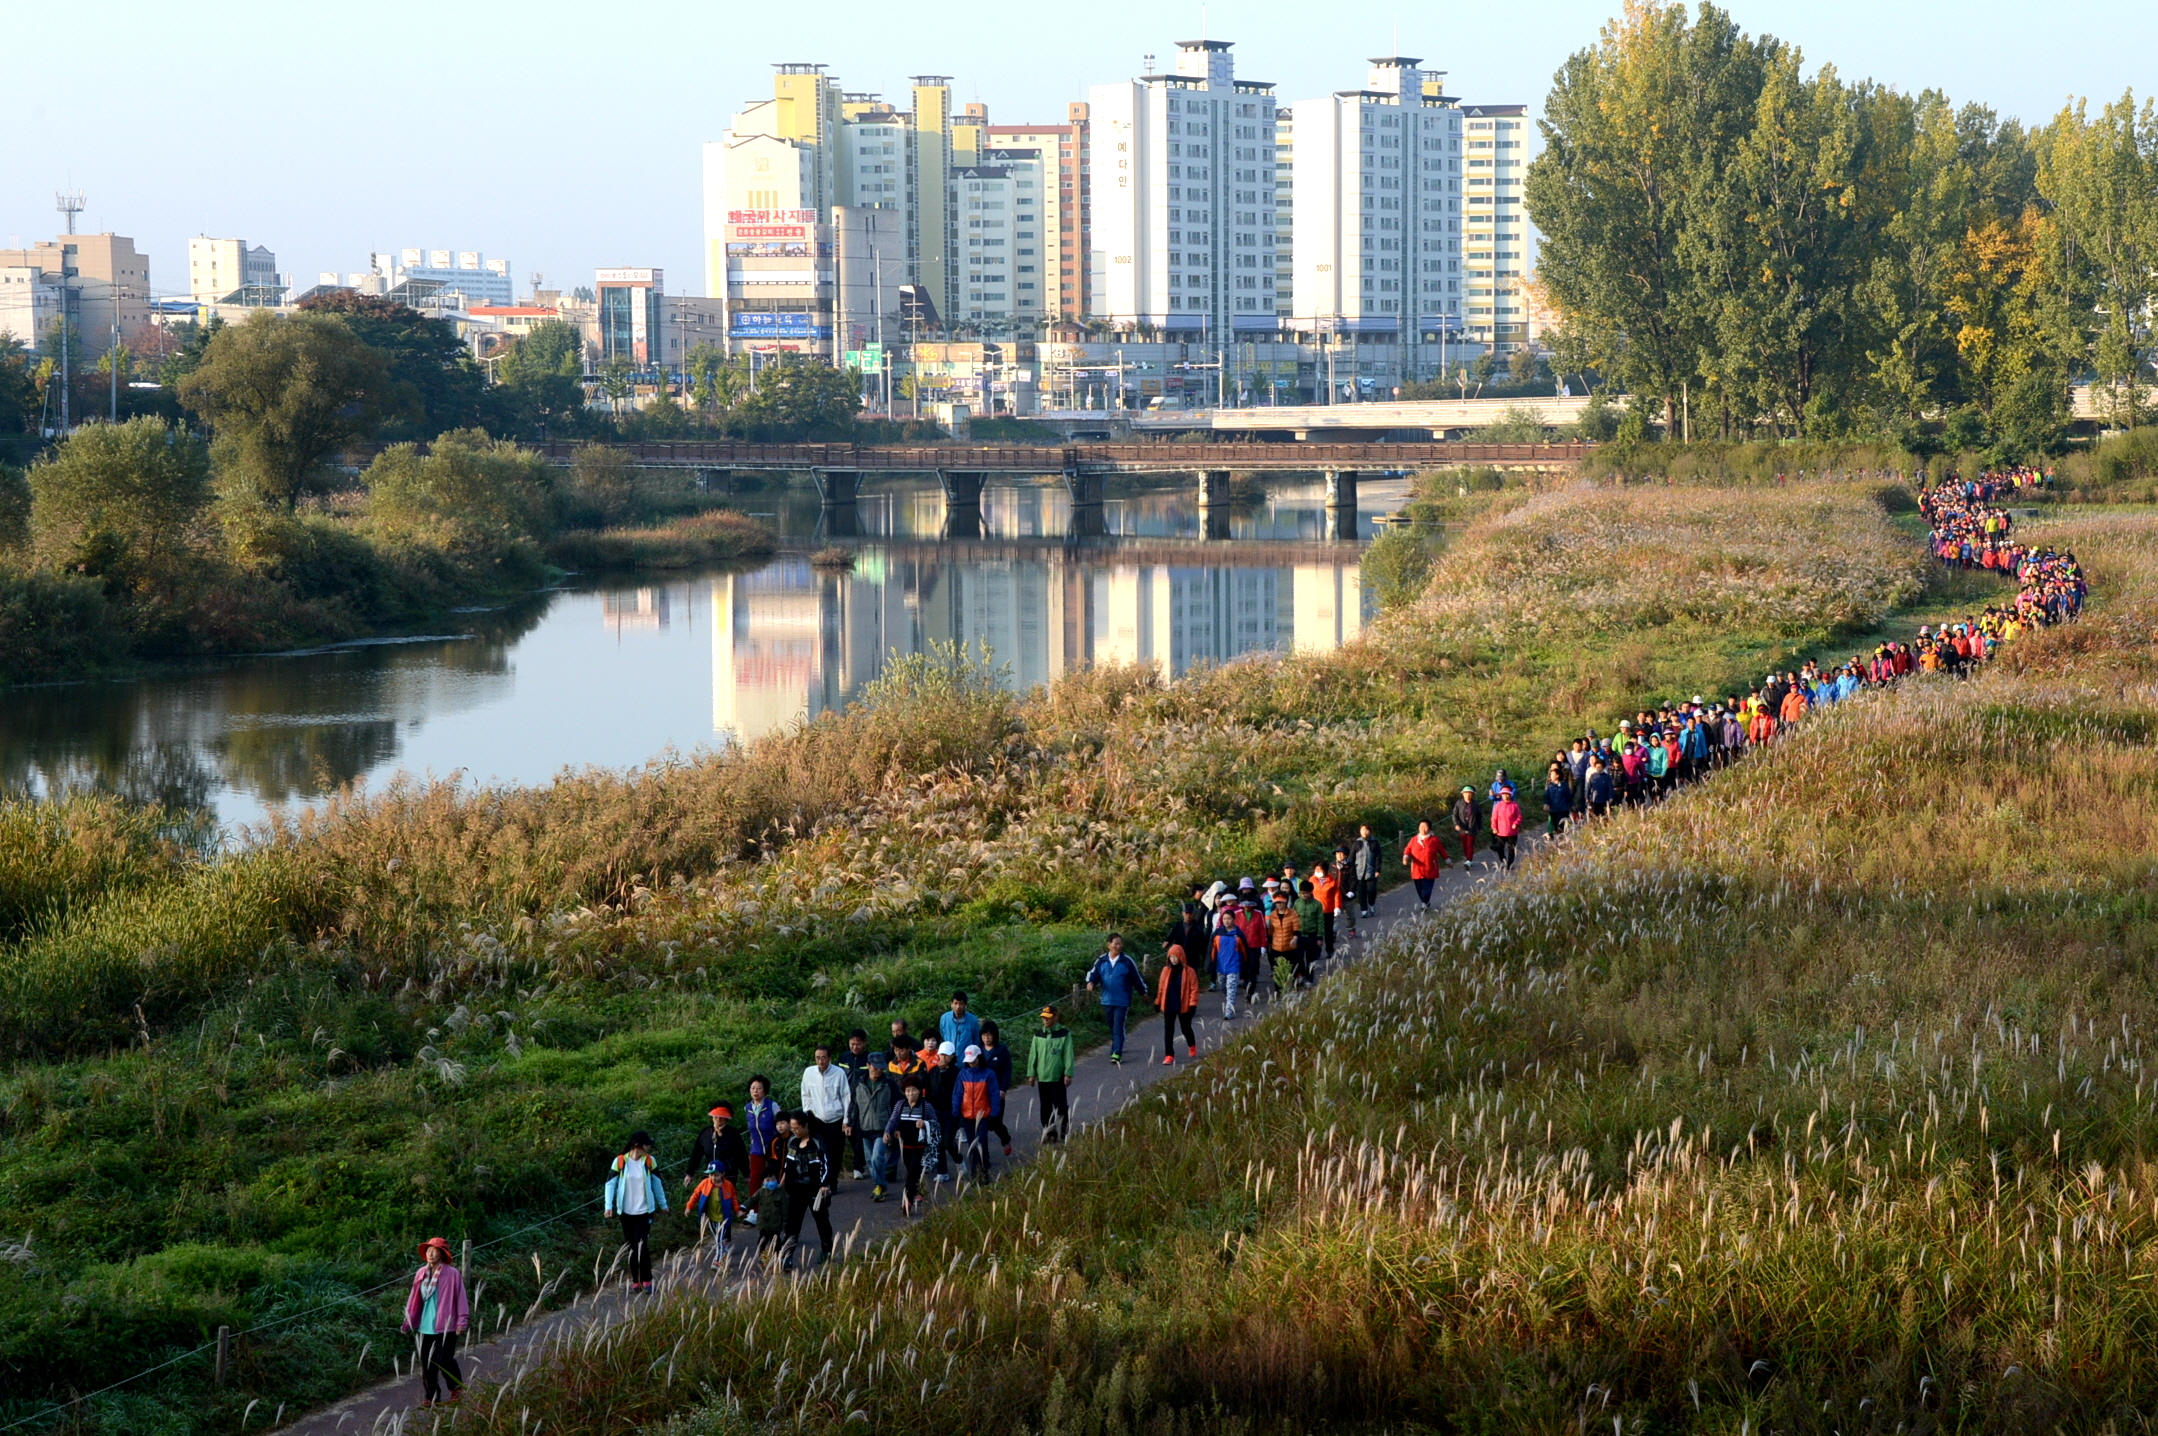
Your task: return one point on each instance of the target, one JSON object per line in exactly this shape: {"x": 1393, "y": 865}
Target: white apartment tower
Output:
{"x": 998, "y": 214}
{"x": 1183, "y": 198}
{"x": 1496, "y": 258}
{"x": 1377, "y": 206}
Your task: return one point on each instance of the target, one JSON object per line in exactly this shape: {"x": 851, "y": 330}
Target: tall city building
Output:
{"x": 1377, "y": 221}
{"x": 104, "y": 283}
{"x": 1495, "y": 241}
{"x": 1056, "y": 257}
{"x": 232, "y": 271}
{"x": 632, "y": 315}
{"x": 997, "y": 228}
{"x": 1183, "y": 202}
{"x": 929, "y": 174}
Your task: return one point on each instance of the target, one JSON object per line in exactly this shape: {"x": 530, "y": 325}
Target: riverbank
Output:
{"x": 492, "y": 986}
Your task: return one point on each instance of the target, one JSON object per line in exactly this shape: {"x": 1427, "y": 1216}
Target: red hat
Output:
{"x": 722, "y": 1110}
{"x": 442, "y": 1242}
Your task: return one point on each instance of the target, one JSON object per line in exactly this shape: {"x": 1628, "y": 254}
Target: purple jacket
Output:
{"x": 451, "y": 1312}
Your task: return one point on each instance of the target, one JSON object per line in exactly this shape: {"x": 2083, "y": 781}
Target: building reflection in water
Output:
{"x": 790, "y": 641}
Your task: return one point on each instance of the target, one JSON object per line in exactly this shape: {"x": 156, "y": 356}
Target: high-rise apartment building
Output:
{"x": 1377, "y": 218}
{"x": 1183, "y": 203}
{"x": 232, "y": 271}
{"x": 1495, "y": 242}
{"x": 998, "y": 227}
{"x": 1051, "y": 258}
{"x": 929, "y": 173}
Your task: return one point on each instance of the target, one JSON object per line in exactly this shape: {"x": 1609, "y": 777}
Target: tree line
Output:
{"x": 1760, "y": 251}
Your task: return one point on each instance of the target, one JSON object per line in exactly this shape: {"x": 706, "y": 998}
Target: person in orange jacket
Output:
{"x": 1794, "y": 706}
{"x": 1176, "y": 993}
{"x": 1326, "y": 891}
{"x": 1425, "y": 855}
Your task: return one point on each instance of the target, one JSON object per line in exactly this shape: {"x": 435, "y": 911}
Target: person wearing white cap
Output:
{"x": 978, "y": 1101}
{"x": 943, "y": 1095}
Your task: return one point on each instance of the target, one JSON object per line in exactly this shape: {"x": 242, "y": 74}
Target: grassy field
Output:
{"x": 239, "y": 1089}
{"x": 1816, "y": 1099}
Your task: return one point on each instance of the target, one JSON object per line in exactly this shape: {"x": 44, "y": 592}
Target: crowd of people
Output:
{"x": 932, "y": 1109}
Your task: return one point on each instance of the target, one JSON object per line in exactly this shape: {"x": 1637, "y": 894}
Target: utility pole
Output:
{"x": 69, "y": 203}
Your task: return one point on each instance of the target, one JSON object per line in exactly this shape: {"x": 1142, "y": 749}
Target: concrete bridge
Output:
{"x": 962, "y": 469}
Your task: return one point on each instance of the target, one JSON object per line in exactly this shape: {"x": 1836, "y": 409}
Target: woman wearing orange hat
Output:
{"x": 436, "y": 1309}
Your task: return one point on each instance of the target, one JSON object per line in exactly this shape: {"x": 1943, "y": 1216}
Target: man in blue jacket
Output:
{"x": 1116, "y": 977}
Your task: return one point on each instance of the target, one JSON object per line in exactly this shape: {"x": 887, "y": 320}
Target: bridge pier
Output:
{"x": 1086, "y": 492}
{"x": 1214, "y": 503}
{"x": 715, "y": 481}
{"x": 1341, "y": 504}
{"x": 837, "y": 487}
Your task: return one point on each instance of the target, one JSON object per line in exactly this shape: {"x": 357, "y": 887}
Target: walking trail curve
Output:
{"x": 1099, "y": 1089}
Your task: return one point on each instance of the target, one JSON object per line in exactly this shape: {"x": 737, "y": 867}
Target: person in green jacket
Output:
{"x": 769, "y": 1208}
{"x": 1049, "y": 1063}
{"x": 1310, "y": 922}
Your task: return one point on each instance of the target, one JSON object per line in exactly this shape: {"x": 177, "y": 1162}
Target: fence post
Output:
{"x": 224, "y": 1352}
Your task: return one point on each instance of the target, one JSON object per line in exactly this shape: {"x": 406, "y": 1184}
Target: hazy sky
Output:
{"x": 565, "y": 137}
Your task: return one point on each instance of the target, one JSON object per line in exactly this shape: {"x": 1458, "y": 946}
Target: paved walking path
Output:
{"x": 1099, "y": 1089}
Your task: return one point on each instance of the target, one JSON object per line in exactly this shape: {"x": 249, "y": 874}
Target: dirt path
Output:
{"x": 1098, "y": 1090}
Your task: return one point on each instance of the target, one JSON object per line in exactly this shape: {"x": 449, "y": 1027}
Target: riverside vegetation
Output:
{"x": 240, "y": 1087}
{"x": 1815, "y": 1099}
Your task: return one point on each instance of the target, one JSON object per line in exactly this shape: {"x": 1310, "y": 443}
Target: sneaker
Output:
{"x": 1007, "y": 1149}
{"x": 1117, "y": 1058}
{"x": 1169, "y": 1061}
{"x": 876, "y": 1193}
{"x": 944, "y": 1176}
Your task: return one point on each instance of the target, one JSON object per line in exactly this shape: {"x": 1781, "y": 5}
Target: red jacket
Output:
{"x": 1423, "y": 855}
{"x": 1505, "y": 818}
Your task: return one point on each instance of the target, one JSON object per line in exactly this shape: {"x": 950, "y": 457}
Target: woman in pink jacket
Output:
{"x": 437, "y": 1310}
{"x": 1506, "y": 826}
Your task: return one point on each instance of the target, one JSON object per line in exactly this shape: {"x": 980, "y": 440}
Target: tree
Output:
{"x": 284, "y": 392}
{"x": 801, "y": 399}
{"x": 424, "y": 355}
{"x": 18, "y": 387}
{"x": 544, "y": 374}
{"x": 116, "y": 501}
{"x": 717, "y": 380}
{"x": 2101, "y": 179}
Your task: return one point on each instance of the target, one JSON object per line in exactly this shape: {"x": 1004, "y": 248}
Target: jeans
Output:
{"x": 1230, "y": 982}
{"x": 974, "y": 1147}
{"x": 1423, "y": 890}
{"x": 880, "y": 1161}
{"x": 439, "y": 1373}
{"x": 1118, "y": 1014}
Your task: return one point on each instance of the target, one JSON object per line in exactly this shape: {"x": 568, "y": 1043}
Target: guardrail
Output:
{"x": 1050, "y": 459}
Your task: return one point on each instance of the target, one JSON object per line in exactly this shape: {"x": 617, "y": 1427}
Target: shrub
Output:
{"x": 55, "y": 624}
{"x": 1397, "y": 567}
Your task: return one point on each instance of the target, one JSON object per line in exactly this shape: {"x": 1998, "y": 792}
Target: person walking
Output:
{"x": 854, "y": 1062}
{"x": 1229, "y": 963}
{"x": 824, "y": 1102}
{"x": 1283, "y": 932}
{"x": 916, "y": 1132}
{"x": 872, "y": 1098}
{"x": 809, "y": 1173}
{"x": 1189, "y": 933}
{"x": 634, "y": 1194}
{"x": 960, "y": 1026}
{"x": 1558, "y": 799}
{"x": 998, "y": 1058}
{"x": 1326, "y": 893}
{"x": 1506, "y": 827}
{"x": 760, "y": 1118}
{"x": 1425, "y": 855}
{"x": 1051, "y": 1056}
{"x": 718, "y": 1143}
{"x": 943, "y": 1087}
{"x": 1468, "y": 816}
{"x": 437, "y": 1310}
{"x": 978, "y": 1102}
{"x": 1116, "y": 977}
{"x": 1368, "y": 860}
{"x": 1176, "y": 993}
{"x": 712, "y": 1203}
{"x": 1600, "y": 788}
{"x": 1310, "y": 925}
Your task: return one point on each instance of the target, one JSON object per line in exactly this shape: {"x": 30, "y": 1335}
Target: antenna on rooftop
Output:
{"x": 69, "y": 203}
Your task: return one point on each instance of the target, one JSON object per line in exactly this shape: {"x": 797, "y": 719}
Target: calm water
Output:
{"x": 620, "y": 672}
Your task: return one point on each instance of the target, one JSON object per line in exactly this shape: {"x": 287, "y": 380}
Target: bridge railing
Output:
{"x": 1042, "y": 458}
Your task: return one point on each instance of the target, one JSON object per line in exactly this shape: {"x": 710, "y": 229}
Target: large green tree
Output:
{"x": 116, "y": 501}
{"x": 2100, "y": 177}
{"x": 284, "y": 393}
{"x": 543, "y": 377}
{"x": 799, "y": 398}
{"x": 424, "y": 355}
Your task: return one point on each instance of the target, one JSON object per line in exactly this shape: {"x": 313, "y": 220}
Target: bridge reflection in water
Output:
{"x": 791, "y": 640}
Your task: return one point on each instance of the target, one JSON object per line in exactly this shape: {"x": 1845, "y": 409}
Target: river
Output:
{"x": 624, "y": 670}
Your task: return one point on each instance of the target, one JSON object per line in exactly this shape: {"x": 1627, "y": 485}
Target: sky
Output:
{"x": 566, "y": 137}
